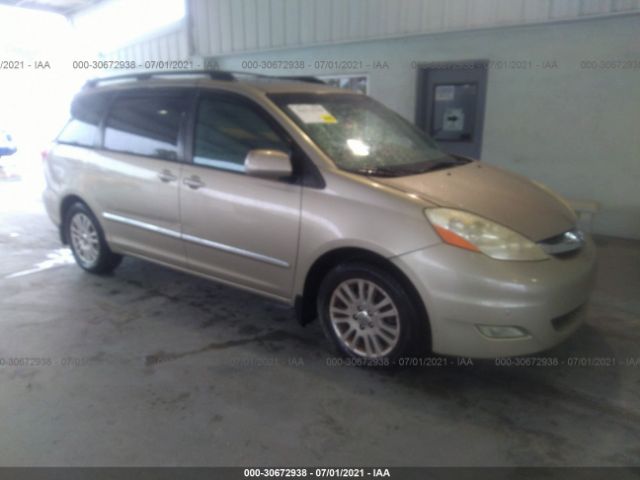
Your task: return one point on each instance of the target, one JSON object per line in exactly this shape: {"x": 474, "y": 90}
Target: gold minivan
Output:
{"x": 324, "y": 199}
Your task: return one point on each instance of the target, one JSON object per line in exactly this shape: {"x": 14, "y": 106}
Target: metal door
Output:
{"x": 450, "y": 105}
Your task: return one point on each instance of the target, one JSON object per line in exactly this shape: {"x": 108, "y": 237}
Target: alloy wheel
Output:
{"x": 364, "y": 318}
{"x": 84, "y": 238}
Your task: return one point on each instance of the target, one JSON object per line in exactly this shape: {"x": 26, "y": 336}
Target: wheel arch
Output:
{"x": 306, "y": 303}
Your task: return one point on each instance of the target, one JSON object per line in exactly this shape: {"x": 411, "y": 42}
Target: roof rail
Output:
{"x": 307, "y": 79}
{"x": 213, "y": 74}
{"x": 301, "y": 78}
{"x": 229, "y": 76}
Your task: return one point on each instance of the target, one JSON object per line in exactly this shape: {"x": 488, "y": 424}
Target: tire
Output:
{"x": 379, "y": 322}
{"x": 86, "y": 239}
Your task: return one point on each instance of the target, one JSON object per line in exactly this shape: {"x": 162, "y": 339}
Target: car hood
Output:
{"x": 506, "y": 198}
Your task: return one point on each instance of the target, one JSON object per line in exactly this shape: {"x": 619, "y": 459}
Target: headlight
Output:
{"x": 472, "y": 232}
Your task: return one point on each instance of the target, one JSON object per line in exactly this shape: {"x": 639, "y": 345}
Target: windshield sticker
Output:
{"x": 312, "y": 113}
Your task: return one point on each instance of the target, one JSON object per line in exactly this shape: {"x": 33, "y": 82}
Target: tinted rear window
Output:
{"x": 146, "y": 125}
{"x": 83, "y": 127}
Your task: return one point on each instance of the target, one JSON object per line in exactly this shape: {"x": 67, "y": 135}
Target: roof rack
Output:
{"x": 301, "y": 78}
{"x": 229, "y": 76}
{"x": 213, "y": 74}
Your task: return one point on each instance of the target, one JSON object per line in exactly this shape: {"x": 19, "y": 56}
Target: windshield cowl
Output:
{"x": 405, "y": 171}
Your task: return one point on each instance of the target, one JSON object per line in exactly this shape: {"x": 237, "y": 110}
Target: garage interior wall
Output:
{"x": 230, "y": 26}
{"x": 556, "y": 120}
{"x": 170, "y": 44}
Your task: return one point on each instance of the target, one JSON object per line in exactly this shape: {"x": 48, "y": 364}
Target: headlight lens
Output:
{"x": 472, "y": 232}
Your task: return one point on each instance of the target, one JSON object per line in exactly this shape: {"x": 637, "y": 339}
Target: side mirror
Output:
{"x": 268, "y": 164}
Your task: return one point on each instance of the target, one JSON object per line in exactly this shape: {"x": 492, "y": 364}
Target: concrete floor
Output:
{"x": 153, "y": 367}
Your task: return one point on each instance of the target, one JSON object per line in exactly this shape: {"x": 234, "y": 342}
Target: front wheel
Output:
{"x": 87, "y": 241}
{"x": 368, "y": 315}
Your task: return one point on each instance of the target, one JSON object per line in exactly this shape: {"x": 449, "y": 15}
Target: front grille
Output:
{"x": 568, "y": 242}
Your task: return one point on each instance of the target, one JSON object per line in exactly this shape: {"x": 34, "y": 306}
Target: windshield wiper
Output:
{"x": 444, "y": 162}
{"x": 415, "y": 169}
{"x": 384, "y": 171}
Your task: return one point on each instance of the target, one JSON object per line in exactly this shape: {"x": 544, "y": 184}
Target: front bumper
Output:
{"x": 462, "y": 290}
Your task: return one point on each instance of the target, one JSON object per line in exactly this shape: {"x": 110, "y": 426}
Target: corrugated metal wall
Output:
{"x": 222, "y": 27}
{"x": 170, "y": 44}
{"x": 229, "y": 26}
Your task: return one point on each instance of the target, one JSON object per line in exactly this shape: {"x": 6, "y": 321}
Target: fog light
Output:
{"x": 499, "y": 331}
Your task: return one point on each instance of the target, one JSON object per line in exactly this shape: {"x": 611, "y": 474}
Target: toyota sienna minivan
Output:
{"x": 324, "y": 199}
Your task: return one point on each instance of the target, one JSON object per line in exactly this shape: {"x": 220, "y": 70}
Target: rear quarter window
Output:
{"x": 83, "y": 128}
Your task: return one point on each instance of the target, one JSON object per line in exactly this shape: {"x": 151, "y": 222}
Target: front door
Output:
{"x": 450, "y": 105}
{"x": 236, "y": 227}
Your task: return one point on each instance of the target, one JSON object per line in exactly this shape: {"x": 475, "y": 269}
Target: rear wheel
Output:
{"x": 87, "y": 241}
{"x": 368, "y": 315}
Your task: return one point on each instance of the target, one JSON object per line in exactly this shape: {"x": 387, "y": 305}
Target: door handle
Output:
{"x": 166, "y": 176}
{"x": 193, "y": 182}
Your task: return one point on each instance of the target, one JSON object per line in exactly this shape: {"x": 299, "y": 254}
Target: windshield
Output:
{"x": 360, "y": 135}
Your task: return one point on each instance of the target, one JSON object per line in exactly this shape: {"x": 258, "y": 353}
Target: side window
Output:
{"x": 225, "y": 132}
{"x": 86, "y": 113}
{"x": 146, "y": 125}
